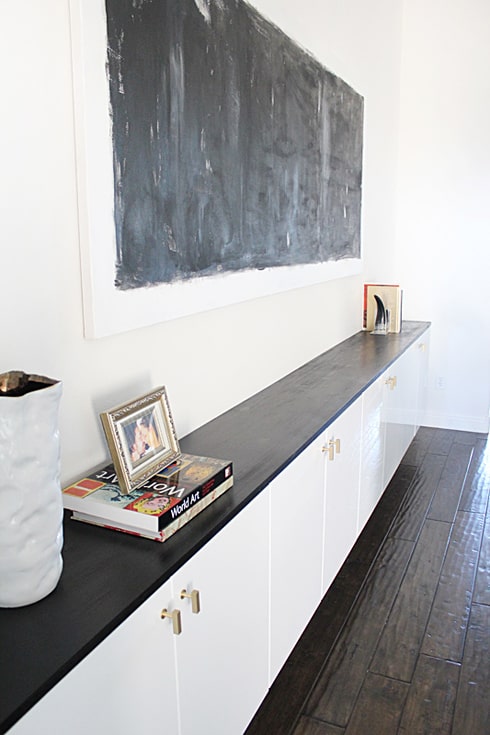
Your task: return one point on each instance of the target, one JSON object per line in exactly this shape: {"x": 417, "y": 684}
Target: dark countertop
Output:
{"x": 107, "y": 574}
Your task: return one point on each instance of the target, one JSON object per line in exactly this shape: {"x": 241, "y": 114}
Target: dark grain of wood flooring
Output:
{"x": 400, "y": 644}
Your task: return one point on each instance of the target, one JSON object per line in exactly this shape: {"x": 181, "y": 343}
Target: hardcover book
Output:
{"x": 165, "y": 503}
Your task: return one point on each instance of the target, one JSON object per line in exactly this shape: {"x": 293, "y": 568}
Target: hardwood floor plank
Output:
{"x": 307, "y": 726}
{"x": 482, "y": 582}
{"x": 446, "y": 629}
{"x": 339, "y": 684}
{"x": 442, "y": 442}
{"x": 430, "y": 703}
{"x": 400, "y": 642}
{"x": 467, "y": 437}
{"x": 446, "y": 499}
{"x": 477, "y": 486}
{"x": 379, "y": 708}
{"x": 379, "y": 524}
{"x": 415, "y": 505}
{"x": 419, "y": 446}
{"x": 472, "y": 713}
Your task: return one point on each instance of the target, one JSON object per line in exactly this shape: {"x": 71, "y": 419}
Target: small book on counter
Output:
{"x": 391, "y": 296}
{"x": 157, "y": 509}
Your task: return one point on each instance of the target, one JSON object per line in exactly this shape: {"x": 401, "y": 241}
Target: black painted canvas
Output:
{"x": 233, "y": 148}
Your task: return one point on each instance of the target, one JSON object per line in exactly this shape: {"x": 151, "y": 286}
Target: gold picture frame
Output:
{"x": 141, "y": 437}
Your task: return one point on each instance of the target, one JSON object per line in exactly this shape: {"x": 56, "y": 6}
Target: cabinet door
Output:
{"x": 422, "y": 347}
{"x": 400, "y": 401}
{"x": 341, "y": 489}
{"x": 296, "y": 550}
{"x": 372, "y": 451}
{"x": 126, "y": 685}
{"x": 222, "y": 653}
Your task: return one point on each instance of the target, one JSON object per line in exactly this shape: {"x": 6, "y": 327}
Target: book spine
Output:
{"x": 206, "y": 501}
{"x": 365, "y": 307}
{"x": 170, "y": 529}
{"x": 195, "y": 496}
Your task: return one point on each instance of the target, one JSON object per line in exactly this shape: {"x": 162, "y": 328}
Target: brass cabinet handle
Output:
{"x": 333, "y": 447}
{"x": 195, "y": 599}
{"x": 175, "y": 618}
{"x": 391, "y": 382}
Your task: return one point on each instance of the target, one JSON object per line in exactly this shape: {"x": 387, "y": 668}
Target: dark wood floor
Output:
{"x": 401, "y": 642}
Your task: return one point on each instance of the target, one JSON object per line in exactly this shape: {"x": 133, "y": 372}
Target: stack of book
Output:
{"x": 390, "y": 298}
{"x": 165, "y": 503}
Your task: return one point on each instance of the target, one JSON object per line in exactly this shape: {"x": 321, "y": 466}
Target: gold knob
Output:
{"x": 194, "y": 598}
{"x": 175, "y": 617}
{"x": 391, "y": 382}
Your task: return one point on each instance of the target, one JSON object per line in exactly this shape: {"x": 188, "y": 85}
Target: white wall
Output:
{"x": 443, "y": 238}
{"x": 210, "y": 361}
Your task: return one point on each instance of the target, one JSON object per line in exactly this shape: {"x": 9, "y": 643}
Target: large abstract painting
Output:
{"x": 218, "y": 160}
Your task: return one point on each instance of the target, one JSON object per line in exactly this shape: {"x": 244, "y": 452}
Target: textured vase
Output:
{"x": 31, "y": 509}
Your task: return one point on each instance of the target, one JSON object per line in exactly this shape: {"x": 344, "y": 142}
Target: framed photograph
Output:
{"x": 141, "y": 437}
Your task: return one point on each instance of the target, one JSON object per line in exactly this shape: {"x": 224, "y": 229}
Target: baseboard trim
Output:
{"x": 478, "y": 424}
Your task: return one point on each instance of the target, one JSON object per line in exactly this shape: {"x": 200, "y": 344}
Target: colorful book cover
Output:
{"x": 158, "y": 503}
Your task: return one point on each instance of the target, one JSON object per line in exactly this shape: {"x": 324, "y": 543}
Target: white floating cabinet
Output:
{"x": 199, "y": 654}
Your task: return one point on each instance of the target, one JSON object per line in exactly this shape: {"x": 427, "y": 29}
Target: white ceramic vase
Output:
{"x": 31, "y": 509}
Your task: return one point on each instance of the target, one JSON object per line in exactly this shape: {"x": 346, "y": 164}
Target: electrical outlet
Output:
{"x": 440, "y": 382}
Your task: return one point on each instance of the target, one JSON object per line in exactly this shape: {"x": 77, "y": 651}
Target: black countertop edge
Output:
{"x": 108, "y": 574}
